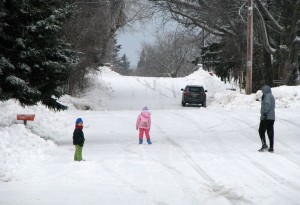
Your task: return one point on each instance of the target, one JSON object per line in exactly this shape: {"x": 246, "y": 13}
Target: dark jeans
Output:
{"x": 267, "y": 125}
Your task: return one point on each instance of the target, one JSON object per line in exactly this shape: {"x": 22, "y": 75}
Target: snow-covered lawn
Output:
{"x": 198, "y": 155}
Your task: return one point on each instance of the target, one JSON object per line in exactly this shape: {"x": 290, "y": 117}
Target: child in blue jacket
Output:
{"x": 78, "y": 139}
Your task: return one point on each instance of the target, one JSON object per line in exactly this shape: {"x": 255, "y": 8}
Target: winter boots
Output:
{"x": 263, "y": 148}
{"x": 148, "y": 141}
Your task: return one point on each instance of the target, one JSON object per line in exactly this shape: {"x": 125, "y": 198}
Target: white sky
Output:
{"x": 131, "y": 44}
{"x": 143, "y": 32}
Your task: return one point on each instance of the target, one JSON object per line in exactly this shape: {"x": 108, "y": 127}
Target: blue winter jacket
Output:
{"x": 267, "y": 110}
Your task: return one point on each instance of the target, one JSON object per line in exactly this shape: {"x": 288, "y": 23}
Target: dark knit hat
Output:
{"x": 78, "y": 121}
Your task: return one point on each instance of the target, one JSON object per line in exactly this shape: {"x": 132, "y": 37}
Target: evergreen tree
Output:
{"x": 213, "y": 58}
{"x": 121, "y": 64}
{"x": 34, "y": 61}
{"x": 124, "y": 63}
{"x": 115, "y": 52}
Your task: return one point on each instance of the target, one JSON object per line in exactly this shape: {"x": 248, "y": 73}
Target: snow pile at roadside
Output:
{"x": 47, "y": 124}
{"x": 285, "y": 96}
{"x": 210, "y": 81}
{"x": 18, "y": 149}
{"x": 234, "y": 100}
{"x": 21, "y": 146}
{"x": 108, "y": 72}
{"x": 96, "y": 96}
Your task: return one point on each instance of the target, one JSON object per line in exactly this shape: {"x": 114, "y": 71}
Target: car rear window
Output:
{"x": 196, "y": 89}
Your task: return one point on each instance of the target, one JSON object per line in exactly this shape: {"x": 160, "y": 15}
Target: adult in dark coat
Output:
{"x": 78, "y": 139}
{"x": 267, "y": 118}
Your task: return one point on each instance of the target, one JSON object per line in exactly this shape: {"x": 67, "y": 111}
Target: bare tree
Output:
{"x": 279, "y": 33}
{"x": 277, "y": 28}
{"x": 91, "y": 32}
{"x": 219, "y": 18}
{"x": 170, "y": 55}
{"x": 216, "y": 17}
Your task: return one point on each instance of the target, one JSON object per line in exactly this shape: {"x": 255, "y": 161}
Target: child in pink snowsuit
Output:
{"x": 143, "y": 123}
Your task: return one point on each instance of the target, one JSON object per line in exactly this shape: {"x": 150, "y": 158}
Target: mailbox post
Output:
{"x": 26, "y": 117}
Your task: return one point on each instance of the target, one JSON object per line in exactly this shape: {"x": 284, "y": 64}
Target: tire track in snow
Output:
{"x": 261, "y": 167}
{"x": 124, "y": 181}
{"x": 177, "y": 175}
{"x": 172, "y": 90}
{"x": 230, "y": 195}
{"x": 273, "y": 175}
{"x": 146, "y": 84}
{"x": 246, "y": 123}
{"x": 289, "y": 122}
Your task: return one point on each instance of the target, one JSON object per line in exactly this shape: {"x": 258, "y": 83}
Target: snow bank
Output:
{"x": 18, "y": 149}
{"x": 96, "y": 96}
{"x": 108, "y": 72}
{"x": 209, "y": 80}
{"x": 220, "y": 97}
{"x": 48, "y": 124}
{"x": 285, "y": 96}
{"x": 234, "y": 100}
{"x": 19, "y": 145}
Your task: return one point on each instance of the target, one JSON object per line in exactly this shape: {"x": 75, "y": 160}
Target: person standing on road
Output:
{"x": 78, "y": 139}
{"x": 267, "y": 118}
{"x": 143, "y": 124}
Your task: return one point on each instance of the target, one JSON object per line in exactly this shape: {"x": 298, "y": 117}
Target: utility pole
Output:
{"x": 249, "y": 48}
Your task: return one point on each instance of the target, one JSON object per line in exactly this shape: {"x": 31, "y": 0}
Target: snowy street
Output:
{"x": 204, "y": 156}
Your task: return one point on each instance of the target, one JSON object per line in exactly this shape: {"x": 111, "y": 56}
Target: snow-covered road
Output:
{"x": 198, "y": 156}
{"x": 132, "y": 93}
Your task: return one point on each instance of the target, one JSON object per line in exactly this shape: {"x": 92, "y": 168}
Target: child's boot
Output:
{"x": 140, "y": 141}
{"x": 149, "y": 141}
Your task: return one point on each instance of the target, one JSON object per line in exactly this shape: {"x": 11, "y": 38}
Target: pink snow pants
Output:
{"x": 142, "y": 131}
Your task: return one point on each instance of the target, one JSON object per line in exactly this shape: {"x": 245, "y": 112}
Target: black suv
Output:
{"x": 194, "y": 94}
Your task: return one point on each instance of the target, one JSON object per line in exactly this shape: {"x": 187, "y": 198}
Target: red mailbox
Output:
{"x": 25, "y": 117}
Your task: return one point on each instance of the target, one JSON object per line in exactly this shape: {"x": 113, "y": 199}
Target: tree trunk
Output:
{"x": 268, "y": 68}
{"x": 289, "y": 66}
{"x": 288, "y": 61}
